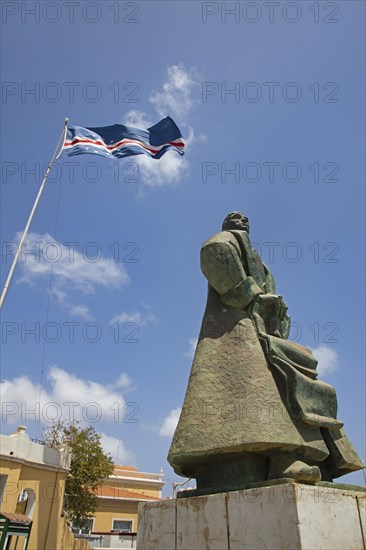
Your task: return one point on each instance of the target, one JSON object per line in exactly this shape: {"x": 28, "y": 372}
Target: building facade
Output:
{"x": 32, "y": 484}
{"x": 115, "y": 523}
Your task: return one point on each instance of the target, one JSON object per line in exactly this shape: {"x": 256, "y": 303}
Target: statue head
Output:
{"x": 236, "y": 220}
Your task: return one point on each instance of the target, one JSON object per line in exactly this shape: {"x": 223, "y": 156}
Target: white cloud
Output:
{"x": 68, "y": 398}
{"x": 77, "y": 310}
{"x": 176, "y": 98}
{"x": 70, "y": 268}
{"x": 116, "y": 448}
{"x": 192, "y": 342}
{"x": 327, "y": 359}
{"x": 124, "y": 381}
{"x": 191, "y": 137}
{"x": 139, "y": 119}
{"x": 168, "y": 170}
{"x": 170, "y": 423}
{"x": 140, "y": 318}
{"x": 20, "y": 394}
{"x": 81, "y": 311}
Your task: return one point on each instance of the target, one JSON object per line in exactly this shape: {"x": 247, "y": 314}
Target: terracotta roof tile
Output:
{"x": 132, "y": 468}
{"x": 115, "y": 492}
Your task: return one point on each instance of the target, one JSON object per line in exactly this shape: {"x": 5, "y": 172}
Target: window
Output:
{"x": 86, "y": 527}
{"x": 22, "y": 502}
{"x": 122, "y": 525}
{"x": 26, "y": 502}
{"x": 3, "y": 480}
{"x": 23, "y": 497}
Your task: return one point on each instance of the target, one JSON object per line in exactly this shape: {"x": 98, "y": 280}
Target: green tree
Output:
{"x": 89, "y": 467}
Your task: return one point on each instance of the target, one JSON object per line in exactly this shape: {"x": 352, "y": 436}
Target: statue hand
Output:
{"x": 272, "y": 301}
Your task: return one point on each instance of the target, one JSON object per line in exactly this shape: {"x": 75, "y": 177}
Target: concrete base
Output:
{"x": 280, "y": 517}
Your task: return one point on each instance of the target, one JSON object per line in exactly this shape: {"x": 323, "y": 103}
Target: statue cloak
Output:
{"x": 250, "y": 389}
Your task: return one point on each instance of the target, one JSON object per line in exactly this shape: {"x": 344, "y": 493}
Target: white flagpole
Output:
{"x": 20, "y": 246}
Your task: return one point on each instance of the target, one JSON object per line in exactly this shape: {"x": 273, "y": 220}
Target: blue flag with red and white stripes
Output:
{"x": 120, "y": 141}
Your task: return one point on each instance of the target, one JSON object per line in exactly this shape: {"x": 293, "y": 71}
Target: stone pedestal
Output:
{"x": 276, "y": 517}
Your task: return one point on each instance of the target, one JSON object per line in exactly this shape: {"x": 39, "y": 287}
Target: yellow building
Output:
{"x": 115, "y": 522}
{"x": 32, "y": 483}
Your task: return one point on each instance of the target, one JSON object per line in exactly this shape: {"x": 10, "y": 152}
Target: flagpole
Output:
{"x": 20, "y": 246}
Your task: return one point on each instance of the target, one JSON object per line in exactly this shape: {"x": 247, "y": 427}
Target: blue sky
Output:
{"x": 270, "y": 101}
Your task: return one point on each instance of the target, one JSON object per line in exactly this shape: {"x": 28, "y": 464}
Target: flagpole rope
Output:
{"x": 38, "y": 436}
{"x": 50, "y": 136}
{"x": 20, "y": 246}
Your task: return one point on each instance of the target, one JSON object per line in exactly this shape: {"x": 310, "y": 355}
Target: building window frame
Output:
{"x": 125, "y": 520}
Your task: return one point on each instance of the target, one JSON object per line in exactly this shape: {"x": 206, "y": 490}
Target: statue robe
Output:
{"x": 250, "y": 389}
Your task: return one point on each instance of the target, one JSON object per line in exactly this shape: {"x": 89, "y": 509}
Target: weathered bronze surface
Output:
{"x": 254, "y": 409}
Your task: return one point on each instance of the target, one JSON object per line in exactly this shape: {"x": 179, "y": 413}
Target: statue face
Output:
{"x": 236, "y": 220}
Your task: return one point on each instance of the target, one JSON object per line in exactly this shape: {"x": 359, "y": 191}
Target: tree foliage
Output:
{"x": 89, "y": 467}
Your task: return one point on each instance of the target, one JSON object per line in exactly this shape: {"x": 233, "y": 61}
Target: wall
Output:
{"x": 41, "y": 471}
{"x": 66, "y": 539}
{"x": 48, "y": 488}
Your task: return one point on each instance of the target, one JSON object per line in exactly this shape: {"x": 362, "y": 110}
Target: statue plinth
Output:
{"x": 277, "y": 516}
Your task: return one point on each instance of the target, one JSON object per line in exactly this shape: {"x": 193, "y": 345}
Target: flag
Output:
{"x": 119, "y": 141}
